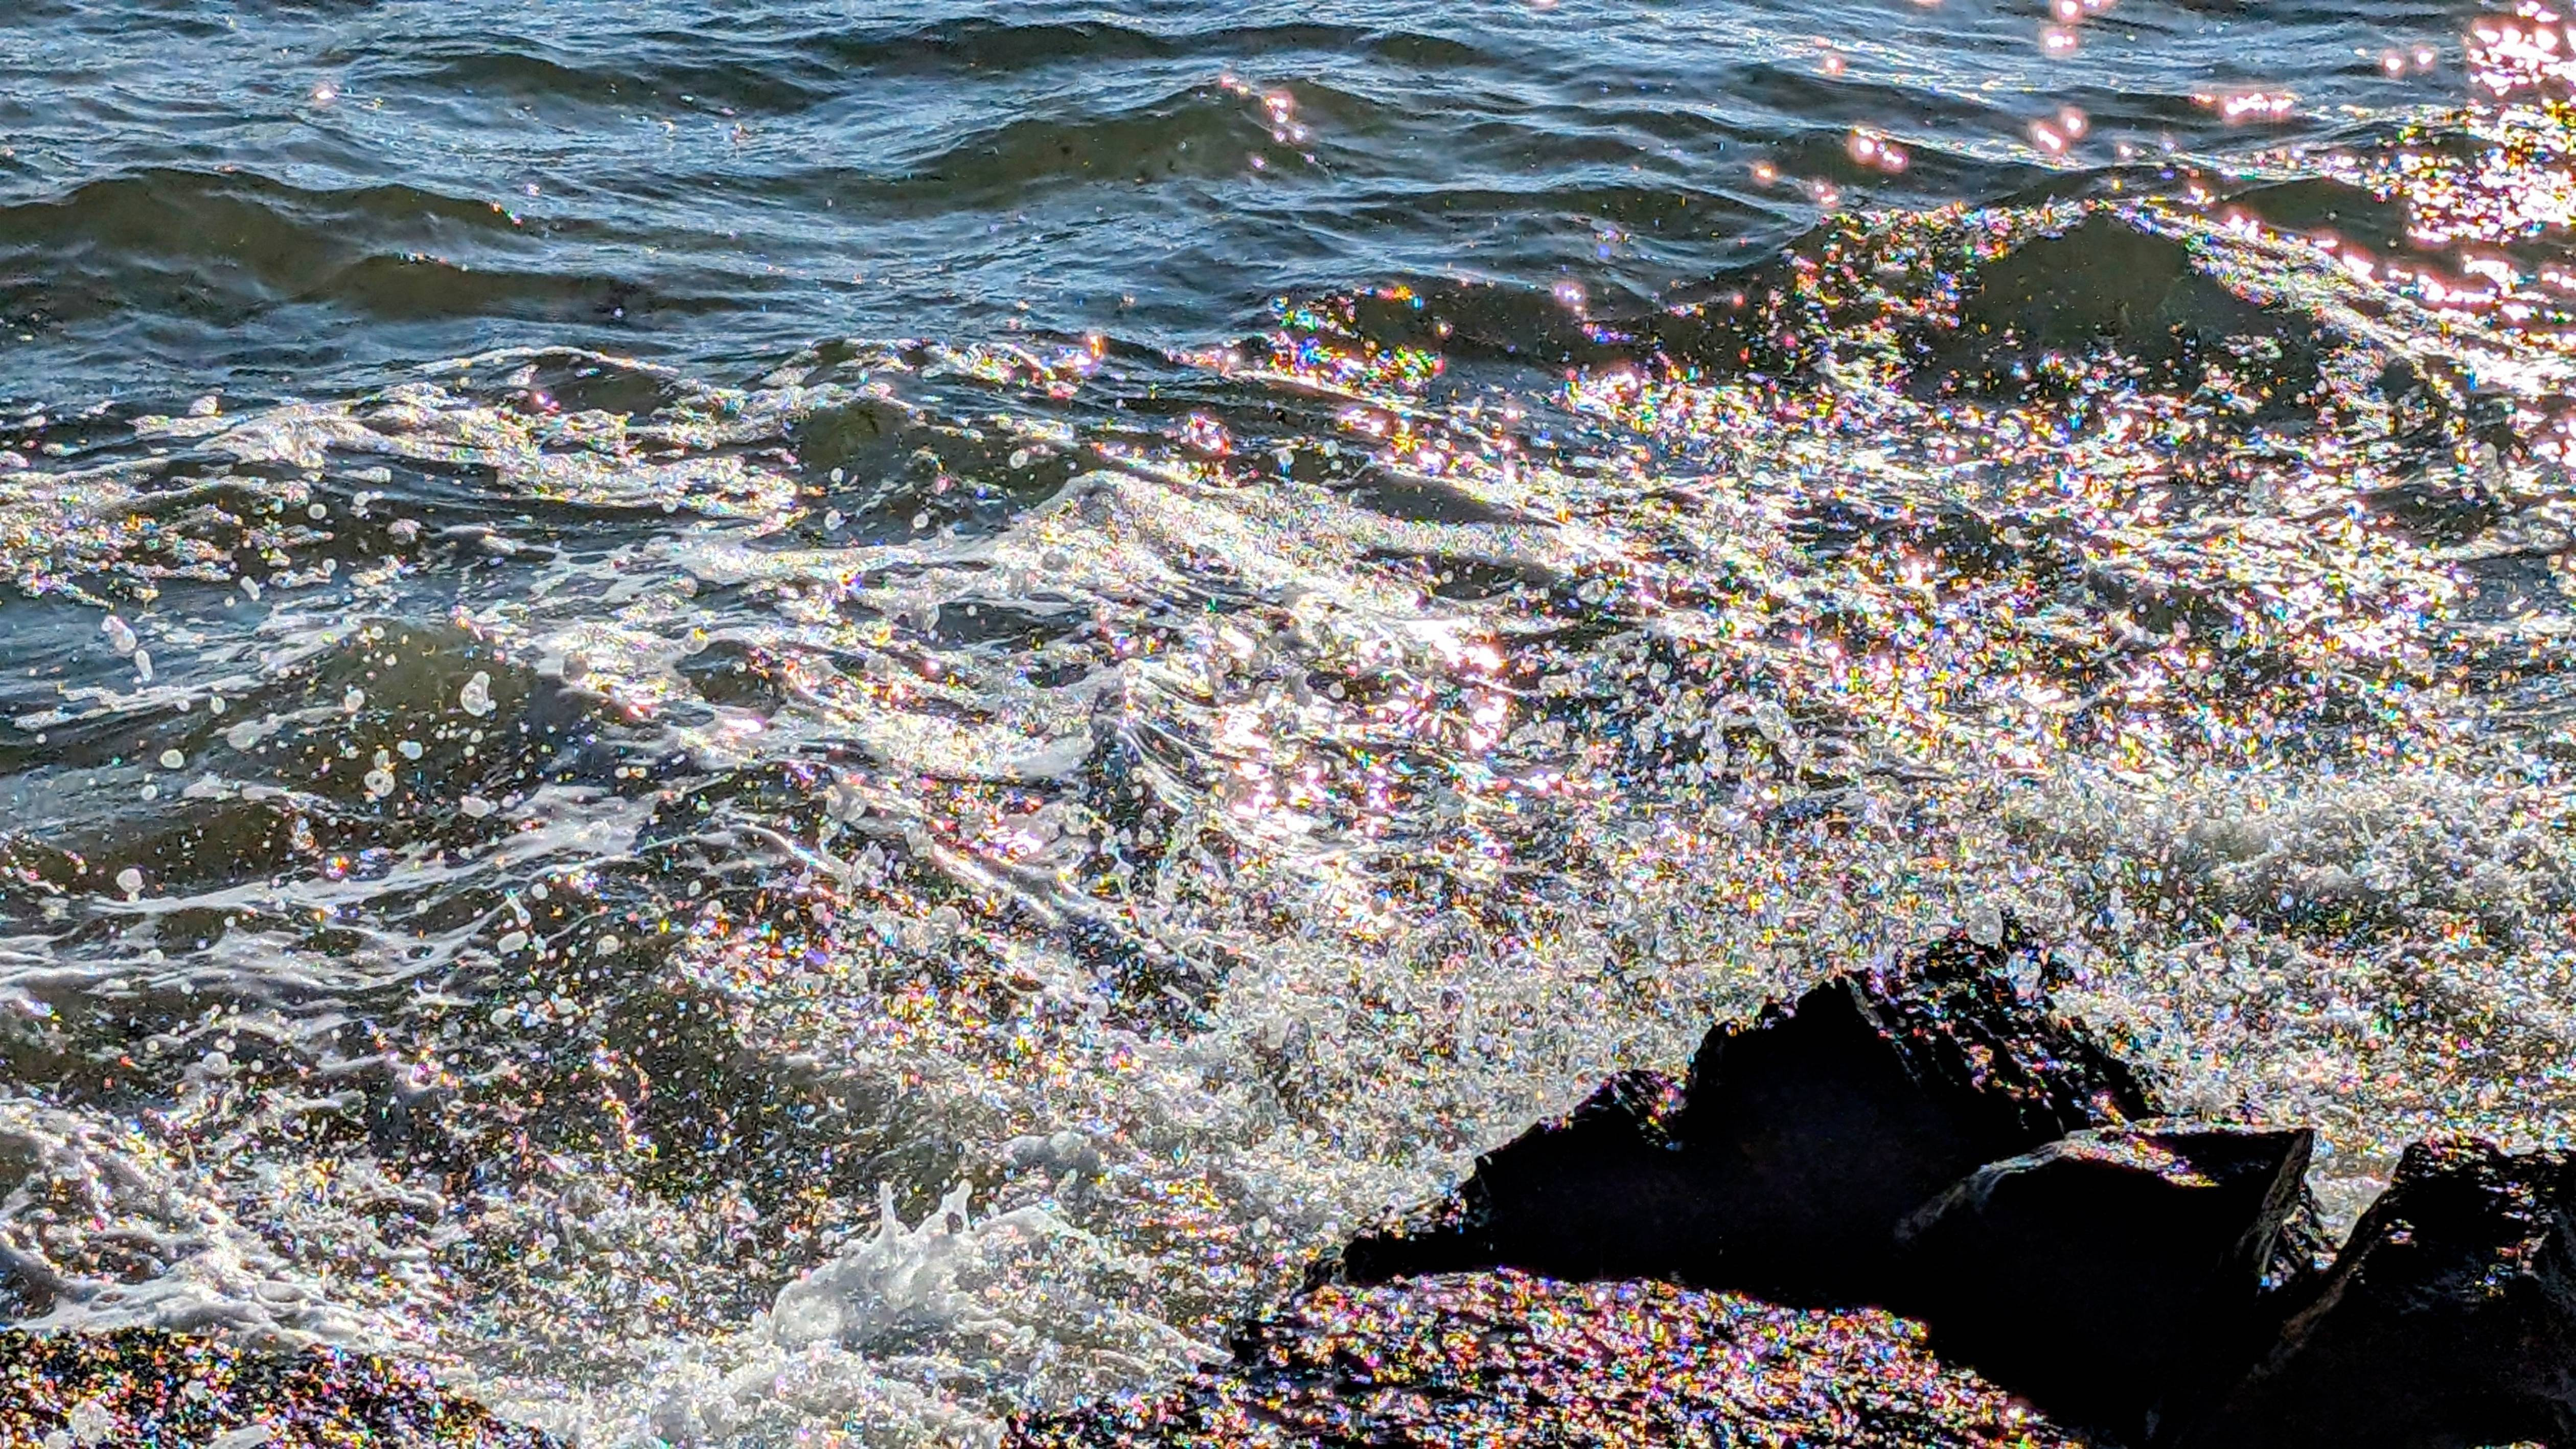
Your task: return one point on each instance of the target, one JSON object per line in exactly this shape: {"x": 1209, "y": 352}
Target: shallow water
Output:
{"x": 772, "y": 722}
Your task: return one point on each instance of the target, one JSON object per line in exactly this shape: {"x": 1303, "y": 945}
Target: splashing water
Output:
{"x": 931, "y": 881}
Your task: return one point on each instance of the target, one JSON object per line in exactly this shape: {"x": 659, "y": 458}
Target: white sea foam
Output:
{"x": 968, "y": 966}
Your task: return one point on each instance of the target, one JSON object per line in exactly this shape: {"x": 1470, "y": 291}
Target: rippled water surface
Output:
{"x": 787, "y": 720}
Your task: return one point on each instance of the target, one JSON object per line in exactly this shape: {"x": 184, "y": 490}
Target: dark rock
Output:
{"x": 1818, "y": 1129}
{"x": 2116, "y": 1276}
{"x": 2448, "y": 1320}
{"x": 1505, "y": 1359}
{"x": 143, "y": 1387}
{"x": 2301, "y": 1257}
{"x": 1803, "y": 1139}
{"x": 1601, "y": 1192}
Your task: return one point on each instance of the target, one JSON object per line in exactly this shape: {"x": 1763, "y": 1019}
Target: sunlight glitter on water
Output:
{"x": 933, "y": 881}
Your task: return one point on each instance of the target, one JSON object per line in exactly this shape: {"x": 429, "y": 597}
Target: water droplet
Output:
{"x": 1985, "y": 924}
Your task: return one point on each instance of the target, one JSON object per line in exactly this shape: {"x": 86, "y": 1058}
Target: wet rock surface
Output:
{"x": 1937, "y": 1141}
{"x": 2449, "y": 1319}
{"x": 1803, "y": 1138}
{"x": 145, "y": 1387}
{"x": 1820, "y": 1128}
{"x": 1602, "y": 1192}
{"x": 1500, "y": 1358}
{"x": 2115, "y": 1275}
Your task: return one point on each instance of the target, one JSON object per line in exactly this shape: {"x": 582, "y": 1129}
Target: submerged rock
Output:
{"x": 1501, "y": 1359}
{"x": 1802, "y": 1140}
{"x": 135, "y": 1386}
{"x": 2105, "y": 282}
{"x": 2115, "y": 1276}
{"x": 2449, "y": 1319}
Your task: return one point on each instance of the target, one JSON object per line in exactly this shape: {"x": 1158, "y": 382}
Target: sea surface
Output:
{"x": 780, "y": 722}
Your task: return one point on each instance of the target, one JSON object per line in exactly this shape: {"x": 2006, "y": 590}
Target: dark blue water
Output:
{"x": 795, "y": 723}
{"x": 280, "y": 197}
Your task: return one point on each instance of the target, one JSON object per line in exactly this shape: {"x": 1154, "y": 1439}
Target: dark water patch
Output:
{"x": 1428, "y": 500}
{"x": 1199, "y": 134}
{"x": 2319, "y": 205}
{"x": 226, "y": 247}
{"x": 266, "y": 226}
{"x": 980, "y": 47}
{"x": 2436, "y": 513}
{"x": 663, "y": 71}
{"x": 2104, "y": 279}
{"x": 1015, "y": 623}
{"x": 882, "y": 474}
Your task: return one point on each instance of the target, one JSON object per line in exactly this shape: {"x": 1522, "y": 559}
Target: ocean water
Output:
{"x": 795, "y": 723}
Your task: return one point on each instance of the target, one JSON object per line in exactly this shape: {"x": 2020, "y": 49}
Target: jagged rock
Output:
{"x": 135, "y": 1386}
{"x": 2115, "y": 1276}
{"x": 2301, "y": 1257}
{"x": 1601, "y": 1192}
{"x": 1501, "y": 1359}
{"x": 1935, "y": 1143}
{"x": 1804, "y": 1137}
{"x": 2449, "y": 1319}
{"x": 1822, "y": 1127}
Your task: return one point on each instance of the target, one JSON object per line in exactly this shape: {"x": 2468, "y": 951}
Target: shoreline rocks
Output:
{"x": 2449, "y": 1319}
{"x": 1929, "y": 1142}
{"x": 1914, "y": 1208}
{"x": 140, "y": 1386}
{"x": 2116, "y": 1276}
{"x": 1504, "y": 1358}
{"x": 1802, "y": 1139}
